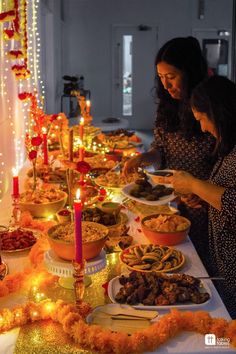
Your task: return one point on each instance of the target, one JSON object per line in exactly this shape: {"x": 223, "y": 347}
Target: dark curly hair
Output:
{"x": 185, "y": 54}
{"x": 216, "y": 96}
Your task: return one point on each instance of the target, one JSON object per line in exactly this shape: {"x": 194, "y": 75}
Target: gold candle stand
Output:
{"x": 79, "y": 286}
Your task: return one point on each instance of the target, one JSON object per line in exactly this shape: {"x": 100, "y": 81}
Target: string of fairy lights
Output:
{"x": 14, "y": 114}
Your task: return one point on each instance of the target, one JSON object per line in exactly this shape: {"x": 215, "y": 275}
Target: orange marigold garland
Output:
{"x": 105, "y": 341}
{"x": 25, "y": 280}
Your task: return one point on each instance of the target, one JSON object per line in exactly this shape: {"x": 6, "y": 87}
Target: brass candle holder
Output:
{"x": 79, "y": 285}
{"x": 16, "y": 212}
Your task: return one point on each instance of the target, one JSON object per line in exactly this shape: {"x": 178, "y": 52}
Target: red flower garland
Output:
{"x": 32, "y": 154}
{"x": 7, "y": 16}
{"x": 83, "y": 167}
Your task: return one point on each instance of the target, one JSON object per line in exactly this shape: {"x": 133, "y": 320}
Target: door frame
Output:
{"x": 212, "y": 33}
{"x": 113, "y": 62}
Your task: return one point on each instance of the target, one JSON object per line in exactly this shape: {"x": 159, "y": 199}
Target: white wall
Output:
{"x": 51, "y": 55}
{"x": 87, "y": 30}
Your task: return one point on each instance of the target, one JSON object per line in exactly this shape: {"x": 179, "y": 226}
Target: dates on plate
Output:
{"x": 17, "y": 239}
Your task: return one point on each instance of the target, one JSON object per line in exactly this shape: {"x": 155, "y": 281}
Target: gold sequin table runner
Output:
{"x": 47, "y": 337}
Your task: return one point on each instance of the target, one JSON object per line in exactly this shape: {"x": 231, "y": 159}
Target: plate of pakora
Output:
{"x": 152, "y": 291}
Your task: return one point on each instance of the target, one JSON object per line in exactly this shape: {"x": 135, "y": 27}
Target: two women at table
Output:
{"x": 181, "y": 145}
{"x": 179, "y": 142}
{"x": 213, "y": 103}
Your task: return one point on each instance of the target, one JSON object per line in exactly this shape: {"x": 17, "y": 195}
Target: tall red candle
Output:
{"x": 45, "y": 146}
{"x": 15, "y": 183}
{"x": 88, "y": 105}
{"x": 71, "y": 145}
{"x": 81, "y": 128}
{"x": 81, "y": 153}
{"x": 78, "y": 228}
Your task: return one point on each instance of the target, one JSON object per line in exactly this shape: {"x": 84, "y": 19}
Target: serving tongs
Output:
{"x": 116, "y": 168}
{"x": 127, "y": 312}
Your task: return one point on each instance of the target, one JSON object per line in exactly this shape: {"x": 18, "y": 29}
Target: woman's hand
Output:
{"x": 192, "y": 201}
{"x": 141, "y": 160}
{"x": 183, "y": 182}
{"x": 132, "y": 165}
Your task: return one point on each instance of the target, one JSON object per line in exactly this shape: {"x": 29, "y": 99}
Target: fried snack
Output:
{"x": 167, "y": 223}
{"x": 99, "y": 161}
{"x": 144, "y": 209}
{"x": 114, "y": 179}
{"x": 41, "y": 196}
{"x": 152, "y": 258}
{"x": 153, "y": 289}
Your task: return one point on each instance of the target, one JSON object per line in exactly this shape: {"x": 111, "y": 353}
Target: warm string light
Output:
{"x": 13, "y": 112}
{"x": 2, "y": 165}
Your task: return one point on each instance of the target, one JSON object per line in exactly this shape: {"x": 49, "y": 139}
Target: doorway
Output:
{"x": 133, "y": 73}
{"x": 216, "y": 45}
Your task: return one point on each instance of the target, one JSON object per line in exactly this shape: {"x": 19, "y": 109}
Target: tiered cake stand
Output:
{"x": 64, "y": 269}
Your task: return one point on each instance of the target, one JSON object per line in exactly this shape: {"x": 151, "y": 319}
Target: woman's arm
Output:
{"x": 185, "y": 183}
{"x": 144, "y": 159}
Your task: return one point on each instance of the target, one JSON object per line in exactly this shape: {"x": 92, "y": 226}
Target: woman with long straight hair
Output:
{"x": 178, "y": 140}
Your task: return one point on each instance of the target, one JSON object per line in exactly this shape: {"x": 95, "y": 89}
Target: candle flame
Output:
{"x": 77, "y": 195}
{"x": 44, "y": 130}
{"x": 88, "y": 103}
{"x": 14, "y": 171}
{"x": 81, "y": 121}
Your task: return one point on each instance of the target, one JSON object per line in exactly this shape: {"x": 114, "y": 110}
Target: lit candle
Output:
{"x": 78, "y": 228}
{"x": 15, "y": 183}
{"x": 71, "y": 145}
{"x": 45, "y": 146}
{"x": 81, "y": 128}
{"x": 81, "y": 151}
{"x": 88, "y": 105}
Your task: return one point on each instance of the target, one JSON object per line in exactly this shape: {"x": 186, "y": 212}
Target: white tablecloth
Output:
{"x": 184, "y": 343}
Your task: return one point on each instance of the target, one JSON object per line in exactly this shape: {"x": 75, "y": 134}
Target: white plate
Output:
{"x": 114, "y": 286}
{"x": 115, "y": 189}
{"x": 118, "y": 324}
{"x": 163, "y": 200}
{"x": 157, "y": 179}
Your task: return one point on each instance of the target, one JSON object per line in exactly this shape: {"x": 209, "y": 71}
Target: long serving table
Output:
{"x": 184, "y": 343}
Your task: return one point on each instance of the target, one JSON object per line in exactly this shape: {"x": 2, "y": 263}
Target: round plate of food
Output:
{"x": 152, "y": 258}
{"x": 18, "y": 239}
{"x": 187, "y": 292}
{"x": 153, "y": 195}
{"x": 114, "y": 180}
{"x": 107, "y": 186}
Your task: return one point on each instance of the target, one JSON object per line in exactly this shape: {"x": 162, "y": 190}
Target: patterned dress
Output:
{"x": 222, "y": 231}
{"x": 193, "y": 156}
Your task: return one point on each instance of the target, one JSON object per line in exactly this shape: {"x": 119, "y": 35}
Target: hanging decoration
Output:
{"x": 19, "y": 77}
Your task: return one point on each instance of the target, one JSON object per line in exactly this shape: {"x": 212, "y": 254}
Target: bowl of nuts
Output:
{"x": 61, "y": 239}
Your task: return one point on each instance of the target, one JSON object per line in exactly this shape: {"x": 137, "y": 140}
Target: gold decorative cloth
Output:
{"x": 47, "y": 337}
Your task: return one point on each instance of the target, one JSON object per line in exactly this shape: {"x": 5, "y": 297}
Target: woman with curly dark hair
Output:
{"x": 178, "y": 140}
{"x": 214, "y": 107}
